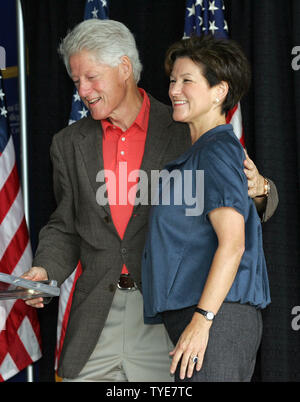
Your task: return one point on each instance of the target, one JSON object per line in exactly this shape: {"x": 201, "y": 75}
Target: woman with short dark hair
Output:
{"x": 219, "y": 60}
{"x": 204, "y": 271}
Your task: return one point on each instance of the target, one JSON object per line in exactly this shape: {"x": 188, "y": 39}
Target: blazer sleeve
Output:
{"x": 58, "y": 247}
{"x": 272, "y": 202}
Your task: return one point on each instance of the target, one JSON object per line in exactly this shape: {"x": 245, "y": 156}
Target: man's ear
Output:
{"x": 126, "y": 67}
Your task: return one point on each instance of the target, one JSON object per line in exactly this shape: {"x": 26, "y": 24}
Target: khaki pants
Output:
{"x": 129, "y": 350}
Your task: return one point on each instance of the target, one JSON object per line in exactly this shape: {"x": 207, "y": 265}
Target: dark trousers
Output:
{"x": 234, "y": 339}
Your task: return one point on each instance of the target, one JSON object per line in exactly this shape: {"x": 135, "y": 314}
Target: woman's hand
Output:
{"x": 256, "y": 182}
{"x": 192, "y": 342}
{"x": 230, "y": 230}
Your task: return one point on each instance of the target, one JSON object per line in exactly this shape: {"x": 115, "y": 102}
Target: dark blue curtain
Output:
{"x": 268, "y": 31}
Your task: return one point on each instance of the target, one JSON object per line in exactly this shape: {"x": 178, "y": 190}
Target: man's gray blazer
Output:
{"x": 81, "y": 229}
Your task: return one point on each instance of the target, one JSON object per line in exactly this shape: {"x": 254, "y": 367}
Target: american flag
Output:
{"x": 93, "y": 9}
{"x": 203, "y": 17}
{"x": 19, "y": 326}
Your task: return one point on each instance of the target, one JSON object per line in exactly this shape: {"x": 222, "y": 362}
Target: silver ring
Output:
{"x": 194, "y": 359}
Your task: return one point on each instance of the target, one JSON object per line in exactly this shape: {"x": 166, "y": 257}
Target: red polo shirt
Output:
{"x": 122, "y": 154}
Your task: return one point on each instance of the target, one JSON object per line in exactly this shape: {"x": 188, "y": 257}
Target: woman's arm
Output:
{"x": 229, "y": 227}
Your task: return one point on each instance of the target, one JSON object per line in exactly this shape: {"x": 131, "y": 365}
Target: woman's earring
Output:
{"x": 217, "y": 100}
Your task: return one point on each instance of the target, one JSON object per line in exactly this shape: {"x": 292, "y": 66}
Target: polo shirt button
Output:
{"x": 122, "y": 152}
{"x": 107, "y": 219}
{"x": 123, "y": 139}
{"x": 111, "y": 287}
{"x": 123, "y": 250}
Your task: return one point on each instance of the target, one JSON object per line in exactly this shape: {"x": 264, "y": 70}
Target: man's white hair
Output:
{"x": 107, "y": 40}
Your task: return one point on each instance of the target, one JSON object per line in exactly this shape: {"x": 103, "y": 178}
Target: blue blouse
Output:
{"x": 181, "y": 242}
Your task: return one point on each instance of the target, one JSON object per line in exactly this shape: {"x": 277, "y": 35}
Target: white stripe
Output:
{"x": 29, "y": 340}
{"x": 236, "y": 121}
{"x": 65, "y": 291}
{"x": 8, "y": 368}
{"x": 11, "y": 223}
{"x": 5, "y": 307}
{"x": 7, "y": 162}
{"x": 24, "y": 262}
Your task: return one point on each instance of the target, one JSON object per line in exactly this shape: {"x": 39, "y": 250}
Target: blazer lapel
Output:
{"x": 90, "y": 146}
{"x": 157, "y": 140}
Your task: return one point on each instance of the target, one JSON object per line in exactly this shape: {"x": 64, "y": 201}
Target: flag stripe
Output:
{"x": 15, "y": 249}
{"x": 27, "y": 333}
{"x": 11, "y": 224}
{"x": 9, "y": 192}
{"x": 19, "y": 327}
{"x": 10, "y": 336}
{"x": 8, "y": 368}
{"x": 17, "y": 350}
{"x": 65, "y": 303}
{"x": 7, "y": 162}
{"x": 24, "y": 261}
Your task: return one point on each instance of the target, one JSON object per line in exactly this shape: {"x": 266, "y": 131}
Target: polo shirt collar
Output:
{"x": 142, "y": 118}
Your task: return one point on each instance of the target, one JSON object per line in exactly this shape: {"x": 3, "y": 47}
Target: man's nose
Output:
{"x": 84, "y": 88}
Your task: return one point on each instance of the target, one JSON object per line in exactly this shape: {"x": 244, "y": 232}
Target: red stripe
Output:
{"x": 242, "y": 139}
{"x": 15, "y": 249}
{"x": 10, "y": 342}
{"x": 9, "y": 192}
{"x": 228, "y": 120}
{"x": 67, "y": 312}
{"x": 9, "y": 339}
{"x": 231, "y": 113}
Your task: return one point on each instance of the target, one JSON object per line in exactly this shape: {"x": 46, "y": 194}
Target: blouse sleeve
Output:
{"x": 225, "y": 183}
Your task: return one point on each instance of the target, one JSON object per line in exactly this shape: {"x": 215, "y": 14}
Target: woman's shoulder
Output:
{"x": 223, "y": 145}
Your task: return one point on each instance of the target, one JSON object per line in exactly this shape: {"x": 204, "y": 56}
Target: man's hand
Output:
{"x": 256, "y": 181}
{"x": 36, "y": 274}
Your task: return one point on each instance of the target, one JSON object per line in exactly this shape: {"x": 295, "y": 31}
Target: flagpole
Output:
{"x": 23, "y": 124}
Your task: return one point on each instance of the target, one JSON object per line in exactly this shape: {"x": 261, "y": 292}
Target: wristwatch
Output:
{"x": 209, "y": 315}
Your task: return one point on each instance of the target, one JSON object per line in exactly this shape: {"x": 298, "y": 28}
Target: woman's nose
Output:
{"x": 175, "y": 88}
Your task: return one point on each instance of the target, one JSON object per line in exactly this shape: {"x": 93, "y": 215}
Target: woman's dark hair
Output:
{"x": 219, "y": 60}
